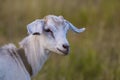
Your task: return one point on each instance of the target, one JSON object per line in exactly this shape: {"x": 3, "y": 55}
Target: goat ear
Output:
{"x": 36, "y": 27}
{"x": 73, "y": 28}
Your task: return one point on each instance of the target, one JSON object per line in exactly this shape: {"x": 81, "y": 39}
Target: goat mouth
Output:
{"x": 65, "y": 52}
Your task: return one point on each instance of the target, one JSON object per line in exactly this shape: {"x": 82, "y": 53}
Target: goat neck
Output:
{"x": 35, "y": 52}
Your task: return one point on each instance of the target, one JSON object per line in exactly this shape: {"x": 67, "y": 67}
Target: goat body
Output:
{"x": 11, "y": 66}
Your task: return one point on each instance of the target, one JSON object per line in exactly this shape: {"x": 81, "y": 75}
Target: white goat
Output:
{"x": 45, "y": 36}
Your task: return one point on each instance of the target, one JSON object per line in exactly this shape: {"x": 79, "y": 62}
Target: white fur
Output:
{"x": 35, "y": 52}
{"x": 37, "y": 47}
{"x": 11, "y": 67}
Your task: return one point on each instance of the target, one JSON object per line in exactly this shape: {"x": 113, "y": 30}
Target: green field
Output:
{"x": 94, "y": 54}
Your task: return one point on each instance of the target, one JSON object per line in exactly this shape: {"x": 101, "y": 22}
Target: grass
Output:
{"x": 94, "y": 54}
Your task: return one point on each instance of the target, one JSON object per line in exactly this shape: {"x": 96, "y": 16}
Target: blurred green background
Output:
{"x": 94, "y": 55}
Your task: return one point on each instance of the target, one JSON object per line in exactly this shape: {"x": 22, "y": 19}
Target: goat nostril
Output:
{"x": 66, "y": 46}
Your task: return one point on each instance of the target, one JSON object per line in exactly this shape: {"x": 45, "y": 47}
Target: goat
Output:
{"x": 44, "y": 36}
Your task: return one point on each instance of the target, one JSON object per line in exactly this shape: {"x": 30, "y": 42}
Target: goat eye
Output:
{"x": 48, "y": 30}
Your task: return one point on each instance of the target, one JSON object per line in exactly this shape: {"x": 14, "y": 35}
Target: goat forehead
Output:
{"x": 56, "y": 21}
